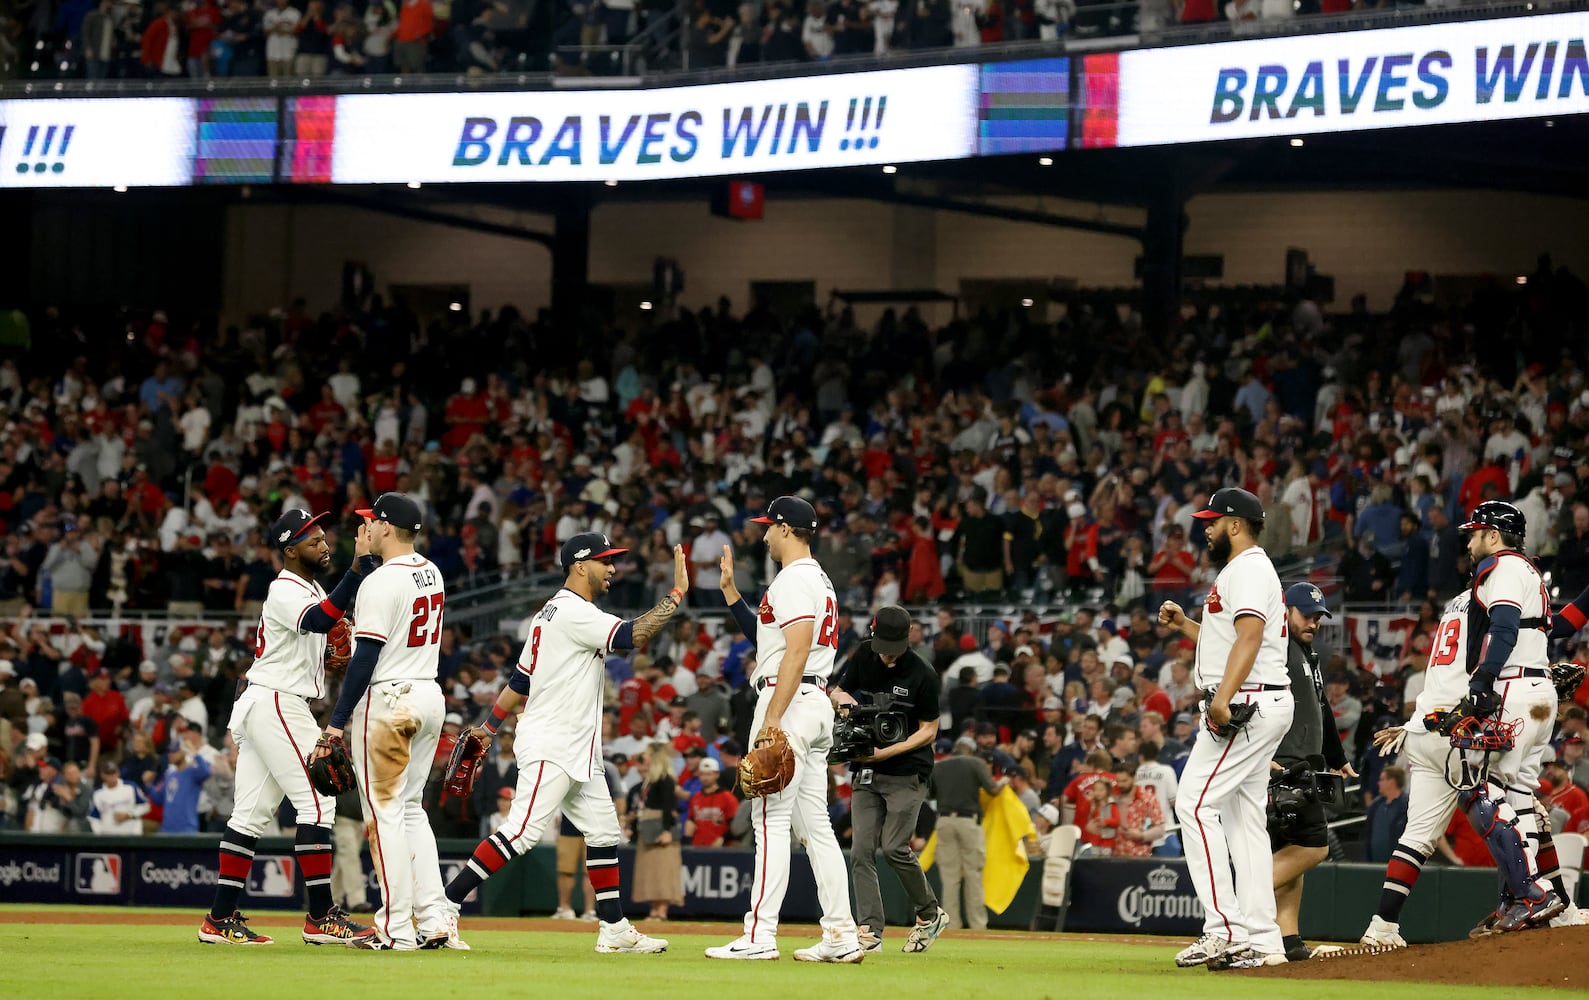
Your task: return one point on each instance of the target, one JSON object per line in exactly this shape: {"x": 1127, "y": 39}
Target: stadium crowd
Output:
{"x": 167, "y": 39}
{"x": 1031, "y": 483}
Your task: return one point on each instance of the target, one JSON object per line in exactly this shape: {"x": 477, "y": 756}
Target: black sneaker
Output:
{"x": 230, "y": 930}
{"x": 334, "y": 928}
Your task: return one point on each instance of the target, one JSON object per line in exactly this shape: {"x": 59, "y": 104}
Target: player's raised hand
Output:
{"x": 681, "y": 570}
{"x": 361, "y": 540}
{"x": 726, "y": 565}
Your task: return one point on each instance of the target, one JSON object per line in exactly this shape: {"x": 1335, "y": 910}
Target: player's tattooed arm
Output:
{"x": 649, "y": 624}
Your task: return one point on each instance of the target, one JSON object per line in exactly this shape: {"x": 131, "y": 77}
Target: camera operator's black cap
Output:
{"x": 890, "y": 630}
{"x": 792, "y": 511}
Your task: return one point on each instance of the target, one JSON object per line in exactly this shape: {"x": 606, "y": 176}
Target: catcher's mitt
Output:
{"x": 1568, "y": 678}
{"x": 330, "y": 773}
{"x": 339, "y": 645}
{"x": 770, "y": 765}
{"x": 464, "y": 763}
{"x": 1240, "y": 715}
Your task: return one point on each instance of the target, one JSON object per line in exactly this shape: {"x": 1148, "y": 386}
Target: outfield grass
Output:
{"x": 68, "y": 961}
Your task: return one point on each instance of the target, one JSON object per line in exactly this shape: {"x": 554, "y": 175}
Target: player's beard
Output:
{"x": 1219, "y": 550}
{"x": 324, "y": 565}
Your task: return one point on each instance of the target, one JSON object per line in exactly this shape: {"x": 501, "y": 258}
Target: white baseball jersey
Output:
{"x": 1248, "y": 585}
{"x": 400, "y": 604}
{"x": 1511, "y": 578}
{"x": 125, "y": 798}
{"x": 565, "y": 658}
{"x": 1446, "y": 676}
{"x": 287, "y": 657}
{"x": 801, "y": 592}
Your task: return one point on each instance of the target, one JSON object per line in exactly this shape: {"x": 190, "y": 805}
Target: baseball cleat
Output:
{"x": 625, "y": 938}
{"x": 835, "y": 947}
{"x": 925, "y": 933}
{"x": 1307, "y": 951}
{"x": 1382, "y": 933}
{"x": 1570, "y": 917}
{"x": 870, "y": 943}
{"x": 333, "y": 928}
{"x": 589, "y": 916}
{"x": 1526, "y": 913}
{"x": 1200, "y": 951}
{"x": 1244, "y": 959}
{"x": 447, "y": 937}
{"x": 744, "y": 949}
{"x": 372, "y": 942}
{"x": 230, "y": 930}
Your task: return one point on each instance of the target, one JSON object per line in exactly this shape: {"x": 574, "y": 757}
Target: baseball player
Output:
{"x": 391, "y": 710}
{"x": 1241, "y": 662}
{"x": 560, "y": 681}
{"x": 796, "y": 641}
{"x": 1495, "y": 633}
{"x": 275, "y": 729}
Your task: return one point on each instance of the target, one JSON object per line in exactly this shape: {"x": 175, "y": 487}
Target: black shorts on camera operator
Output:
{"x": 1309, "y": 771}
{"x": 887, "y": 699}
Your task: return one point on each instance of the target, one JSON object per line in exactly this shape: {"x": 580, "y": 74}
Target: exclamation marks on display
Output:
{"x": 33, "y": 146}
{"x": 860, "y": 132}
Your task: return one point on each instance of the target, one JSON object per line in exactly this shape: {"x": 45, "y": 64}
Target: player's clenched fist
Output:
{"x": 1171, "y": 614}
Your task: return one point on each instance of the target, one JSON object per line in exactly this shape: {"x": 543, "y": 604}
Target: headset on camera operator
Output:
{"x": 1301, "y": 788}
{"x": 887, "y": 697}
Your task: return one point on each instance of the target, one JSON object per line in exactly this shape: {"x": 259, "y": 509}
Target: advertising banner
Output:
{"x": 1434, "y": 74}
{"x": 1130, "y": 895}
{"x": 144, "y": 142}
{"x": 794, "y": 124}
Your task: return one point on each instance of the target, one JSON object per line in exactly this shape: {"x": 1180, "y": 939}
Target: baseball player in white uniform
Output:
{"x": 1241, "y": 659}
{"x": 391, "y": 710}
{"x": 795, "y": 648}
{"x": 275, "y": 730}
{"x": 1492, "y": 656}
{"x": 560, "y": 681}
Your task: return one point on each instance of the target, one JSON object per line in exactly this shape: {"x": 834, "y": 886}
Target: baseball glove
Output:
{"x": 770, "y": 765}
{"x": 464, "y": 763}
{"x": 330, "y": 773}
{"x": 1567, "y": 677}
{"x": 1240, "y": 715}
{"x": 339, "y": 645}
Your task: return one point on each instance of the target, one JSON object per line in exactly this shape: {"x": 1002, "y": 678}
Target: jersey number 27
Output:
{"x": 424, "y": 608}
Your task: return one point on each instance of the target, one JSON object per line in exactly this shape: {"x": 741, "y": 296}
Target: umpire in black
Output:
{"x": 890, "y": 785}
{"x": 1303, "y": 842}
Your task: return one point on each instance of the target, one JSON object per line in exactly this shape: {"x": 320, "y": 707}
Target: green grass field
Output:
{"x": 128, "y": 962}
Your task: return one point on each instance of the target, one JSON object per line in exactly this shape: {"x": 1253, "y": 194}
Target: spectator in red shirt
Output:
{"x": 1103, "y": 815}
{"x": 1171, "y": 568}
{"x": 711, "y": 809}
{"x": 635, "y": 695}
{"x": 416, "y": 22}
{"x": 327, "y": 410}
{"x": 1463, "y": 846}
{"x": 203, "y": 23}
{"x": 467, "y": 413}
{"x": 1564, "y": 795}
{"x": 106, "y": 706}
{"x": 159, "y": 49}
{"x": 1096, "y": 767}
{"x": 1141, "y": 819}
{"x": 384, "y": 466}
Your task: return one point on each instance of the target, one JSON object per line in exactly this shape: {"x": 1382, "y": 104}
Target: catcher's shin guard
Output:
{"x": 1496, "y": 822}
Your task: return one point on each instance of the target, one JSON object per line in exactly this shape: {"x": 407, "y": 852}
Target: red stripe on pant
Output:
{"x": 303, "y": 761}
{"x": 375, "y": 825}
{"x": 1213, "y": 886}
{"x": 755, "y": 911}
{"x": 533, "y": 793}
{"x": 234, "y": 866}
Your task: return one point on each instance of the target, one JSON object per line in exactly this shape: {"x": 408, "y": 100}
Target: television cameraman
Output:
{"x": 889, "y": 783}
{"x": 1299, "y": 834}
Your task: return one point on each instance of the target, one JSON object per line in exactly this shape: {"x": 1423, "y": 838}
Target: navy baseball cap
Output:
{"x": 291, "y": 526}
{"x": 587, "y": 545}
{"x": 1232, "y": 501}
{"x": 1307, "y": 598}
{"x": 792, "y": 511}
{"x": 395, "y": 509}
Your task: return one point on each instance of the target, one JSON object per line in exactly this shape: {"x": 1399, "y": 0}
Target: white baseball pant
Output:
{"x": 802, "y": 807}
{"x": 393, "y": 736}
{"x": 1223, "y": 812}
{"x": 274, "y": 733}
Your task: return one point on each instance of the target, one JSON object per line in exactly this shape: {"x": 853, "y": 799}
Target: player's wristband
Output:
{"x": 676, "y": 596}
{"x": 498, "y": 714}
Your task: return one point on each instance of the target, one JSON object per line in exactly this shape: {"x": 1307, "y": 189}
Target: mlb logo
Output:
{"x": 99, "y": 874}
{"x": 272, "y": 876}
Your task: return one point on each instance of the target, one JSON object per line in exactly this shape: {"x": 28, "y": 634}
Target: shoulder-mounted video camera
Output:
{"x": 872, "y": 722}
{"x": 1303, "y": 784}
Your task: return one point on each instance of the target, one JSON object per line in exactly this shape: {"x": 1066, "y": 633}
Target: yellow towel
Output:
{"x": 1005, "y": 824}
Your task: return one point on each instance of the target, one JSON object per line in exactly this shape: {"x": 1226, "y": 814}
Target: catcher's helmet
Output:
{"x": 1498, "y": 514}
